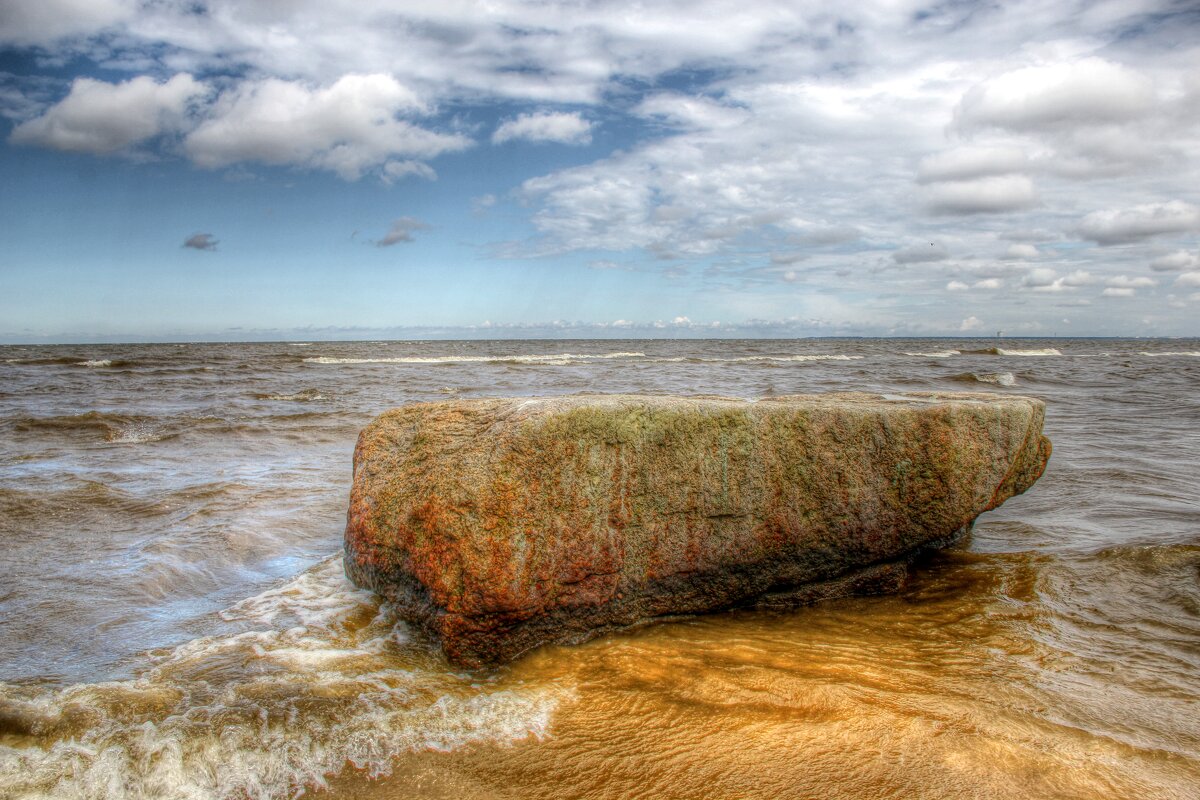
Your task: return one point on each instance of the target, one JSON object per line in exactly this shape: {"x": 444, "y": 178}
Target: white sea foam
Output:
{"x": 935, "y": 354}
{"x": 136, "y": 435}
{"x": 1193, "y": 353}
{"x": 1045, "y": 351}
{"x": 303, "y": 396}
{"x": 742, "y": 359}
{"x": 556, "y": 359}
{"x": 100, "y": 362}
{"x": 998, "y": 378}
{"x": 818, "y": 357}
{"x": 315, "y": 676}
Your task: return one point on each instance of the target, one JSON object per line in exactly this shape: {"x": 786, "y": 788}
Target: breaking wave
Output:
{"x": 817, "y": 357}
{"x": 996, "y": 378}
{"x": 558, "y": 359}
{"x": 1001, "y": 351}
{"x": 1194, "y": 353}
{"x": 749, "y": 359}
{"x": 936, "y": 354}
{"x": 108, "y": 427}
{"x": 64, "y": 361}
{"x": 314, "y": 676}
{"x": 302, "y": 396}
{"x": 1044, "y": 351}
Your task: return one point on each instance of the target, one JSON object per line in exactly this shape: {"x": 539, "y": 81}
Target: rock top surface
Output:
{"x": 498, "y": 525}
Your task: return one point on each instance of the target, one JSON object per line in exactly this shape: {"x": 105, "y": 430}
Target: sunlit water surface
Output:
{"x": 174, "y": 622}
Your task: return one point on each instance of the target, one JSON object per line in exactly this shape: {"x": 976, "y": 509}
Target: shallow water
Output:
{"x": 174, "y": 621}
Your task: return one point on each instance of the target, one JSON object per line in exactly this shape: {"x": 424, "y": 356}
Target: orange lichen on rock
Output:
{"x": 498, "y": 525}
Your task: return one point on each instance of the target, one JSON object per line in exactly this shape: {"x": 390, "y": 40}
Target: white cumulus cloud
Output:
{"x": 1176, "y": 261}
{"x": 1090, "y": 90}
{"x": 101, "y": 118}
{"x": 348, "y": 127}
{"x": 1021, "y": 252}
{"x": 1120, "y": 226}
{"x": 1045, "y": 279}
{"x": 563, "y": 128}
{"x": 981, "y": 196}
{"x": 966, "y": 163}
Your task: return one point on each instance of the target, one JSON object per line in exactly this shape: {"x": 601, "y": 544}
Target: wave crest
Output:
{"x": 318, "y": 677}
{"x": 995, "y": 378}
{"x": 936, "y": 354}
{"x": 1044, "y": 351}
{"x": 556, "y": 359}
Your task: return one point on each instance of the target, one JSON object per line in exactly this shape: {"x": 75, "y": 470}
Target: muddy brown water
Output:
{"x": 174, "y": 621}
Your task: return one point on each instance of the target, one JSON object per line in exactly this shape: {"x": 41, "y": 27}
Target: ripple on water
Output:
{"x": 312, "y": 677}
{"x": 953, "y": 689}
{"x": 1055, "y": 658}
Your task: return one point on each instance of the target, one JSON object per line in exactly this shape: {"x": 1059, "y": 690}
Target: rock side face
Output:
{"x": 499, "y": 525}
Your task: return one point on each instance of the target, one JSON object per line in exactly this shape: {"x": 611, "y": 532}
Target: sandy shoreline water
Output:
{"x": 205, "y": 644}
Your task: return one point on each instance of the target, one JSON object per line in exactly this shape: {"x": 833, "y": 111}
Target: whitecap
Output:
{"x": 996, "y": 378}
{"x": 302, "y": 396}
{"x": 100, "y": 362}
{"x": 313, "y": 675}
{"x": 1045, "y": 351}
{"x": 555, "y": 359}
{"x": 936, "y": 354}
{"x": 818, "y": 357}
{"x": 1194, "y": 353}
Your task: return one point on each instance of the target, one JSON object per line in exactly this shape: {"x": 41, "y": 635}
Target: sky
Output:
{"x": 350, "y": 169}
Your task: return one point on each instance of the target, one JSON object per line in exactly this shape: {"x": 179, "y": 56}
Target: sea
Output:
{"x": 175, "y": 621}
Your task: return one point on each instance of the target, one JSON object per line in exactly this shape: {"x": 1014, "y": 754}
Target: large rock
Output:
{"x": 498, "y": 525}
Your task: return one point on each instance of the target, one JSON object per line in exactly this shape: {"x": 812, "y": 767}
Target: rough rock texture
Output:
{"x": 498, "y": 525}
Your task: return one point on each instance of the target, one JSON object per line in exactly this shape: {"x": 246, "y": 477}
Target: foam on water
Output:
{"x": 112, "y": 427}
{"x": 759, "y": 359}
{"x": 817, "y": 357}
{"x": 935, "y": 354}
{"x": 98, "y": 362}
{"x": 995, "y": 378}
{"x": 1041, "y": 351}
{"x": 556, "y": 359}
{"x": 110, "y": 548}
{"x": 302, "y": 396}
{"x": 314, "y": 676}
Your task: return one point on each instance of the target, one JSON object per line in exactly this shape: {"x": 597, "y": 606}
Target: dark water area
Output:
{"x": 174, "y": 621}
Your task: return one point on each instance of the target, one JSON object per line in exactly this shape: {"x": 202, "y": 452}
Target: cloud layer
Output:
{"x": 919, "y": 162}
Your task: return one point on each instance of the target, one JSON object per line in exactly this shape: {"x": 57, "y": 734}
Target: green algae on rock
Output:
{"x": 499, "y": 525}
